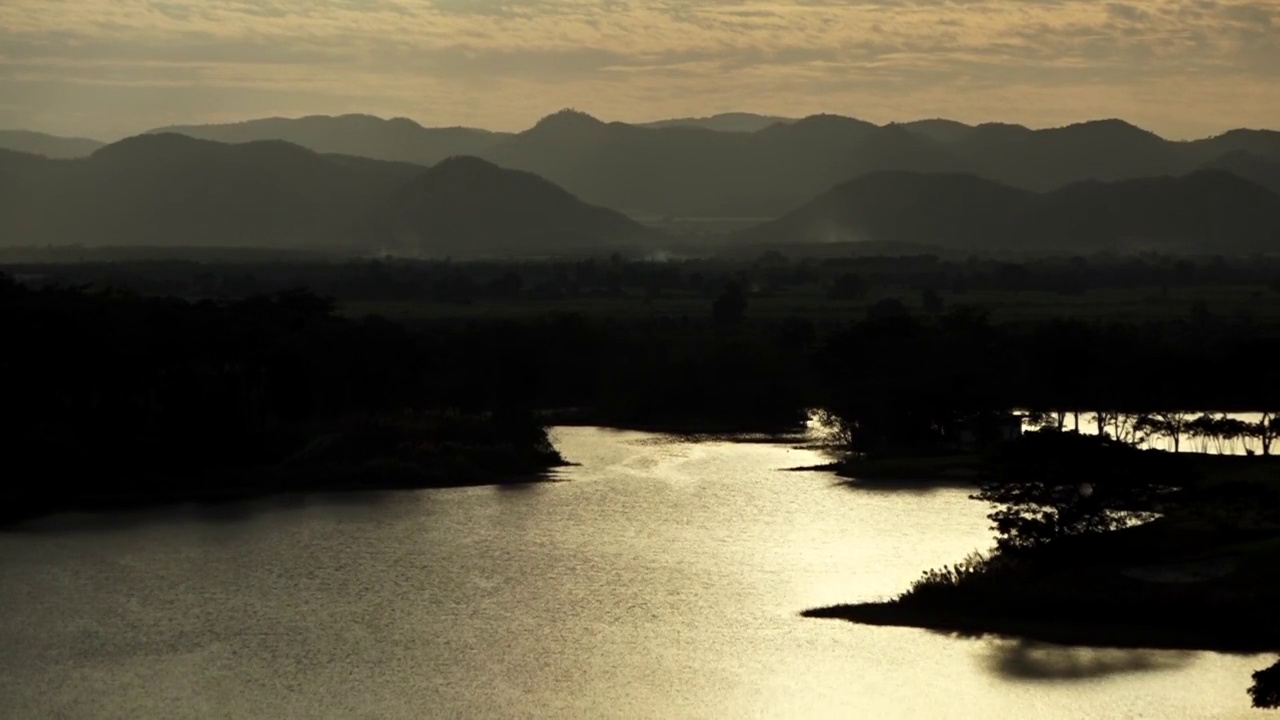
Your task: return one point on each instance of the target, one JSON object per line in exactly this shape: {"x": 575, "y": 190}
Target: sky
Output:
{"x": 110, "y": 68}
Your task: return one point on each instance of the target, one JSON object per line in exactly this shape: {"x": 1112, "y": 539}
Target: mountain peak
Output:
{"x": 829, "y": 120}
{"x": 151, "y": 143}
{"x": 825, "y": 127}
{"x": 1113, "y": 126}
{"x": 569, "y": 119}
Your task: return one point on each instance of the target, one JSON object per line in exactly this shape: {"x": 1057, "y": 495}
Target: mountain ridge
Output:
{"x": 1206, "y": 210}
{"x": 170, "y": 189}
{"x": 51, "y": 146}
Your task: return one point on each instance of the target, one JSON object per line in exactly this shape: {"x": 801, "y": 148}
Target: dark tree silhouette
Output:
{"x": 730, "y": 306}
{"x": 931, "y": 301}
{"x": 888, "y": 309}
{"x": 1265, "y": 690}
{"x": 1049, "y": 484}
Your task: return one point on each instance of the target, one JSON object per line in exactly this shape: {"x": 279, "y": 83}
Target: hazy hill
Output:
{"x": 939, "y": 129}
{"x": 682, "y": 170}
{"x": 1051, "y": 158}
{"x": 642, "y": 171}
{"x": 1263, "y": 143}
{"x": 169, "y": 189}
{"x": 693, "y": 171}
{"x": 899, "y": 207}
{"x": 364, "y": 135}
{"x": 1250, "y": 167}
{"x": 1097, "y": 150}
{"x": 1206, "y": 211}
{"x": 724, "y": 122}
{"x": 51, "y": 146}
{"x": 466, "y": 205}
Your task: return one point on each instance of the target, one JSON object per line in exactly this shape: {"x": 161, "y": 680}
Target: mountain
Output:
{"x": 939, "y": 129}
{"x": 673, "y": 169}
{"x": 1207, "y": 210}
{"x": 724, "y": 122}
{"x": 641, "y": 171}
{"x": 1096, "y": 185}
{"x": 1262, "y": 143}
{"x": 397, "y": 139}
{"x": 1250, "y": 167}
{"x": 900, "y": 207}
{"x": 1050, "y": 158}
{"x": 693, "y": 171}
{"x": 170, "y": 189}
{"x": 51, "y": 146}
{"x": 754, "y": 166}
{"x": 1106, "y": 150}
{"x": 465, "y": 205}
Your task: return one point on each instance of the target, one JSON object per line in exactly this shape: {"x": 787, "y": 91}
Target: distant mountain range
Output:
{"x": 170, "y": 189}
{"x": 361, "y": 181}
{"x": 1205, "y": 211}
{"x": 397, "y": 139}
{"x": 724, "y": 122}
{"x": 746, "y": 165}
{"x": 693, "y": 171}
{"x": 51, "y": 146}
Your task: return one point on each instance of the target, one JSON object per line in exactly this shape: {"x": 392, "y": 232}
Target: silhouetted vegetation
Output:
{"x": 1050, "y": 485}
{"x": 117, "y": 398}
{"x": 1265, "y": 690}
{"x": 835, "y": 286}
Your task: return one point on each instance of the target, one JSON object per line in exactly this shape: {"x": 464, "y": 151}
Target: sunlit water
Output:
{"x": 660, "y": 579}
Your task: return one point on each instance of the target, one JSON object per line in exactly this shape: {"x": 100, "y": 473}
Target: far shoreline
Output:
{"x": 231, "y": 495}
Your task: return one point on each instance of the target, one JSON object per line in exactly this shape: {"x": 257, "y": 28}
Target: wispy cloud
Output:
{"x": 1182, "y": 67}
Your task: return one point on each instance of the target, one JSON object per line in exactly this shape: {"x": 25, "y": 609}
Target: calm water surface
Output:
{"x": 660, "y": 579}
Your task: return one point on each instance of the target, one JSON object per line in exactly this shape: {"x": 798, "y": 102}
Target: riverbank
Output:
{"x": 1089, "y": 634}
{"x": 1194, "y": 584}
{"x": 387, "y": 453}
{"x": 970, "y": 469}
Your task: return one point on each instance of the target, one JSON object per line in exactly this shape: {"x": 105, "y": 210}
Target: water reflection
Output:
{"x": 928, "y": 486}
{"x": 1042, "y": 662}
{"x": 230, "y": 513}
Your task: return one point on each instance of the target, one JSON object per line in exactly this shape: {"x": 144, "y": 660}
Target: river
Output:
{"x": 656, "y": 579}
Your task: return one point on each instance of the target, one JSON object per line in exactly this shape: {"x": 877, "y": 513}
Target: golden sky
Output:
{"x": 107, "y": 68}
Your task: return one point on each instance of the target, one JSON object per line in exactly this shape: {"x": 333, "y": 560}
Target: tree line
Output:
{"x": 110, "y": 378}
{"x": 835, "y": 279}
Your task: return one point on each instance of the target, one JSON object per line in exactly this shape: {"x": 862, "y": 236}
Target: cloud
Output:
{"x": 502, "y": 64}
